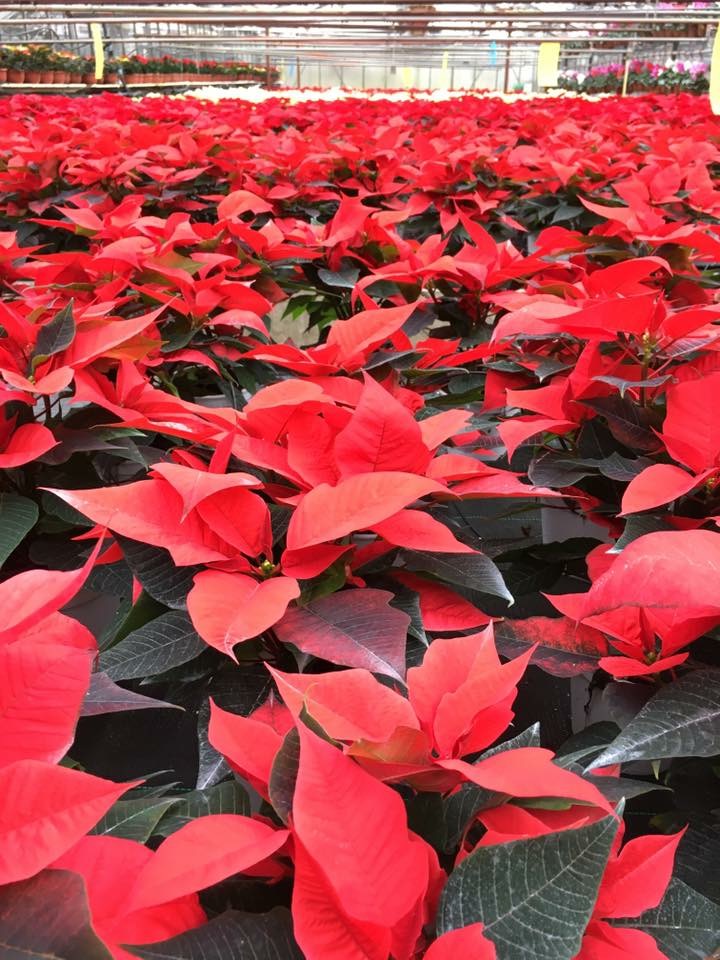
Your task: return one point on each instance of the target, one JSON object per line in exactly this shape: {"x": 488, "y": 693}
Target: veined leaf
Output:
{"x": 18, "y": 515}
{"x": 231, "y": 936}
{"x": 534, "y": 897}
{"x": 47, "y": 918}
{"x": 167, "y": 641}
{"x": 681, "y": 720}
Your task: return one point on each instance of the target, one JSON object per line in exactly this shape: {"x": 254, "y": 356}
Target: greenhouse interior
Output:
{"x": 360, "y": 480}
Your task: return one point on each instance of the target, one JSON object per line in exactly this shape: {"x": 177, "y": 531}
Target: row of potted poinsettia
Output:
{"x": 39, "y": 64}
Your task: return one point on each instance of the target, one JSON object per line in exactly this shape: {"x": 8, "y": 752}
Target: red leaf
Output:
{"x": 354, "y": 628}
{"x": 381, "y": 435}
{"x": 110, "y": 866}
{"x": 242, "y": 201}
{"x": 41, "y": 690}
{"x": 461, "y": 692}
{"x": 310, "y": 561}
{"x": 564, "y": 648}
{"x": 658, "y": 485}
{"x": 27, "y": 443}
{"x": 603, "y": 942}
{"x": 28, "y": 598}
{"x": 528, "y": 772}
{"x": 691, "y": 431}
{"x": 468, "y": 941}
{"x": 149, "y": 511}
{"x": 44, "y": 810}
{"x": 364, "y": 330}
{"x": 673, "y": 571}
{"x": 442, "y": 609}
{"x": 521, "y": 429}
{"x": 322, "y": 929}
{"x": 201, "y": 853}
{"x": 247, "y": 743}
{"x": 355, "y": 829}
{"x": 348, "y": 705}
{"x": 440, "y": 426}
{"x": 226, "y": 608}
{"x": 193, "y": 486}
{"x": 327, "y": 513}
{"x": 416, "y": 530}
{"x": 240, "y": 518}
{"x": 636, "y": 880}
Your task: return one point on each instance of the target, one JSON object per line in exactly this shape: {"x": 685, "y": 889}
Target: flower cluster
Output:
{"x": 643, "y": 76}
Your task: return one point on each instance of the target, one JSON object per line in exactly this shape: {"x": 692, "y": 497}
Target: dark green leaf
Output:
{"x": 158, "y": 574}
{"x": 212, "y": 766}
{"x": 134, "y": 819}
{"x": 636, "y": 527}
{"x": 47, "y": 918}
{"x": 698, "y": 856}
{"x": 55, "y": 336}
{"x": 227, "y": 797}
{"x": 681, "y": 720}
{"x": 105, "y": 696}
{"x": 686, "y": 925}
{"x": 231, "y": 936}
{"x": 628, "y": 422}
{"x": 625, "y": 385}
{"x": 284, "y": 774}
{"x": 586, "y": 743}
{"x": 347, "y": 277}
{"x": 472, "y": 570}
{"x": 114, "y": 578}
{"x": 535, "y": 897}
{"x": 18, "y": 515}
{"x": 161, "y": 644}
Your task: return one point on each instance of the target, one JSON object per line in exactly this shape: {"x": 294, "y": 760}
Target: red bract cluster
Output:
{"x": 478, "y": 485}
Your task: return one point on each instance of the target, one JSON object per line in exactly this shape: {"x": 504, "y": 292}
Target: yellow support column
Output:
{"x": 547, "y": 64}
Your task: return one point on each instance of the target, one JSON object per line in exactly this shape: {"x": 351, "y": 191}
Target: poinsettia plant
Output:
{"x": 396, "y": 636}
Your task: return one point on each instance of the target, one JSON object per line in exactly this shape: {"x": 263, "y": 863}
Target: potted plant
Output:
{"x": 17, "y": 59}
{"x": 46, "y": 66}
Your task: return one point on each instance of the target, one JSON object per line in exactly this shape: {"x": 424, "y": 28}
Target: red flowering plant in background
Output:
{"x": 283, "y": 609}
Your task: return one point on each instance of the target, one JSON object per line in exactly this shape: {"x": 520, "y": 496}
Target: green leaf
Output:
{"x": 638, "y": 526}
{"x": 212, "y": 766}
{"x": 47, "y": 918}
{"x": 625, "y": 385}
{"x": 134, "y": 819}
{"x": 105, "y": 696}
{"x": 283, "y": 775}
{"x": 159, "y": 645}
{"x": 18, "y": 515}
{"x": 347, "y": 277}
{"x": 586, "y": 743}
{"x": 472, "y": 570}
{"x": 699, "y": 854}
{"x": 159, "y": 576}
{"x": 535, "y": 897}
{"x": 227, "y": 797}
{"x": 686, "y": 925}
{"x": 55, "y": 336}
{"x": 681, "y": 720}
{"x": 231, "y": 936}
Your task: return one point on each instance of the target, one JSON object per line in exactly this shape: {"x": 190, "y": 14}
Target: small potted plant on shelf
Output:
{"x": 75, "y": 68}
{"x": 110, "y": 74}
{"x": 46, "y": 65}
{"x": 3, "y": 65}
{"x": 17, "y": 60}
{"x": 88, "y": 71}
